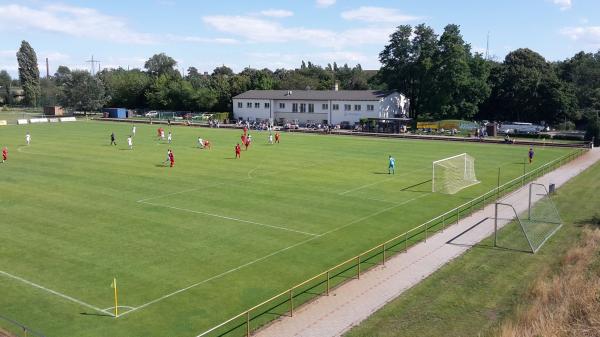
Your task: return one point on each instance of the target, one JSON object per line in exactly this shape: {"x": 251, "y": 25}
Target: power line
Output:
{"x": 93, "y": 64}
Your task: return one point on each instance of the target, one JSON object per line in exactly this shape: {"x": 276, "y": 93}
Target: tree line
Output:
{"x": 439, "y": 73}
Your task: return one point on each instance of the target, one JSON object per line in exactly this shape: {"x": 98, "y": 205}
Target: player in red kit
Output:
{"x": 243, "y": 138}
{"x": 171, "y": 158}
{"x": 238, "y": 151}
{"x": 277, "y": 135}
{"x": 245, "y": 130}
{"x": 4, "y": 154}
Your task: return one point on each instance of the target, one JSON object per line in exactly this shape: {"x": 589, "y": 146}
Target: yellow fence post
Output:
{"x": 383, "y": 262}
{"x": 248, "y": 323}
{"x": 25, "y": 332}
{"x": 328, "y": 283}
{"x": 291, "y": 303}
{"x": 358, "y": 269}
{"x": 405, "y": 241}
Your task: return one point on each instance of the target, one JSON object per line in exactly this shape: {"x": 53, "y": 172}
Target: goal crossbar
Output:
{"x": 457, "y": 173}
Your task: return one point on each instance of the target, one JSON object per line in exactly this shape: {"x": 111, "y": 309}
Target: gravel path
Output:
{"x": 353, "y": 302}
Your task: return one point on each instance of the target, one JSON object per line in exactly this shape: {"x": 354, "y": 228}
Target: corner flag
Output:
{"x": 114, "y": 286}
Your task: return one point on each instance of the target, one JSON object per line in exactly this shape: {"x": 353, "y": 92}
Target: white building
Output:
{"x": 318, "y": 106}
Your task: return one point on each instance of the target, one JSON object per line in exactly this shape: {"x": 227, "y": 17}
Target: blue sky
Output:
{"x": 279, "y": 34}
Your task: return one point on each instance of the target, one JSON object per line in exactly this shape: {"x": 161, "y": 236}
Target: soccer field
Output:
{"x": 200, "y": 242}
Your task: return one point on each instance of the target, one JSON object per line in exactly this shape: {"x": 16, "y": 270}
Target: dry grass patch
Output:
{"x": 565, "y": 303}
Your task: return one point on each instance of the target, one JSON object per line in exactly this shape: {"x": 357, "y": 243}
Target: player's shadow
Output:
{"x": 456, "y": 241}
{"x": 381, "y": 173}
{"x": 413, "y": 188}
{"x": 95, "y": 314}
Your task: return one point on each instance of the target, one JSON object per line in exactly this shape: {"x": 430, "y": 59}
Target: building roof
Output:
{"x": 316, "y": 95}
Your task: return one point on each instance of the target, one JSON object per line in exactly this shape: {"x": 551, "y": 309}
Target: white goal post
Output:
{"x": 452, "y": 174}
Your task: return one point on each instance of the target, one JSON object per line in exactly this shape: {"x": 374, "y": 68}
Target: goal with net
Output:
{"x": 452, "y": 174}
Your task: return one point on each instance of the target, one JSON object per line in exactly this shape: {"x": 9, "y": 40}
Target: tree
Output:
{"x": 29, "y": 74}
{"x": 5, "y": 85}
{"x": 126, "y": 88}
{"x": 161, "y": 64}
{"x": 62, "y": 74}
{"x": 529, "y": 89}
{"x": 222, "y": 71}
{"x": 593, "y": 130}
{"x": 82, "y": 91}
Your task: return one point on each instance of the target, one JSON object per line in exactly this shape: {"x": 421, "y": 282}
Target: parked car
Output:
{"x": 151, "y": 114}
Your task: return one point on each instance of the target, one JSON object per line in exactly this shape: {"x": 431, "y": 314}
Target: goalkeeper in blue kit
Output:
{"x": 392, "y": 165}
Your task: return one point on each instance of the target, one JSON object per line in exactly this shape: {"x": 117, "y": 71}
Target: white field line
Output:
{"x": 218, "y": 275}
{"x": 54, "y": 292}
{"x": 231, "y": 218}
{"x": 271, "y": 254}
{"x": 382, "y": 181}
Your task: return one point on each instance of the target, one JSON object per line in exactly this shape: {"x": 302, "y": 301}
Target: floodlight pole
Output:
{"x": 496, "y": 225}
{"x": 498, "y": 188}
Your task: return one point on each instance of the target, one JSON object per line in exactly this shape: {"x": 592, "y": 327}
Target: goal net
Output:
{"x": 452, "y": 174}
{"x": 531, "y": 229}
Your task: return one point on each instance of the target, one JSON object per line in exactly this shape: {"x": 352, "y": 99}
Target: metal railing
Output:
{"x": 25, "y": 330}
{"x": 284, "y": 303}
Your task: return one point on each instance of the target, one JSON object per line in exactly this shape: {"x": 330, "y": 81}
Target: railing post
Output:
{"x": 291, "y": 303}
{"x": 25, "y": 332}
{"x": 405, "y": 241}
{"x": 443, "y": 221}
{"x": 383, "y": 262}
{"x": 426, "y": 225}
{"x": 248, "y": 323}
{"x": 457, "y": 215}
{"x": 483, "y": 203}
{"x": 358, "y": 267}
{"x": 328, "y": 283}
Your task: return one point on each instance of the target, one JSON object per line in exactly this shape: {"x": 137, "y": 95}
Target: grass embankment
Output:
{"x": 478, "y": 292}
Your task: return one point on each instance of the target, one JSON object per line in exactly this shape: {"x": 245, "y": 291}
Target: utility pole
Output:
{"x": 93, "y": 64}
{"x": 47, "y": 69}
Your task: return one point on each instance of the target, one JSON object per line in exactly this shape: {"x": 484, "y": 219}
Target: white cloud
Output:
{"x": 293, "y": 60}
{"x": 325, "y": 3}
{"x": 377, "y": 14}
{"x": 200, "y": 39}
{"x": 277, "y": 13}
{"x": 259, "y": 30}
{"x": 73, "y": 21}
{"x": 563, "y": 4}
{"x": 588, "y": 34}
{"x": 254, "y": 30}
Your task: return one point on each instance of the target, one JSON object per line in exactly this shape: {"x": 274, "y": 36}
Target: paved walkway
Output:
{"x": 353, "y": 302}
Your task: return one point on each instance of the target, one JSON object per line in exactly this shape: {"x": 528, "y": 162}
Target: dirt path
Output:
{"x": 353, "y": 302}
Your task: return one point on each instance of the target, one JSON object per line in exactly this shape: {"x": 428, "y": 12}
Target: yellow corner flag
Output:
{"x": 114, "y": 286}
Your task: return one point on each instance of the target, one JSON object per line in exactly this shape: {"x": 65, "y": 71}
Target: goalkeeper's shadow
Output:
{"x": 462, "y": 240}
{"x": 413, "y": 188}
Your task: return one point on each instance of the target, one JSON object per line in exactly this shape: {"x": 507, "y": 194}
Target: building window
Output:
{"x": 311, "y": 107}
{"x": 325, "y": 106}
{"x": 248, "y": 105}
{"x": 295, "y": 107}
{"x": 281, "y": 105}
{"x": 370, "y": 107}
{"x": 357, "y": 107}
{"x": 257, "y": 105}
{"x": 335, "y": 107}
{"x": 302, "y": 107}
{"x": 347, "y": 107}
{"x": 267, "y": 105}
{"x": 240, "y": 104}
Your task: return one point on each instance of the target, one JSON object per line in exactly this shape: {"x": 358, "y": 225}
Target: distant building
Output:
{"x": 319, "y": 106}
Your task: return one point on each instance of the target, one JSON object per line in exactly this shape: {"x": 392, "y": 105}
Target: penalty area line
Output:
{"x": 231, "y": 218}
{"x": 270, "y": 255}
{"x": 54, "y": 292}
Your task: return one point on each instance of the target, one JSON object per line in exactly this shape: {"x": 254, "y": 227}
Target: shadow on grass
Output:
{"x": 481, "y": 245}
{"x": 95, "y": 314}
{"x": 593, "y": 221}
{"x": 410, "y": 188}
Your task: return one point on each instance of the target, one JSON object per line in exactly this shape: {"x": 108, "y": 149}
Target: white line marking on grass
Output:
{"x": 271, "y": 254}
{"x": 54, "y": 292}
{"x": 381, "y": 181}
{"x": 219, "y": 275}
{"x": 251, "y": 171}
{"x": 232, "y": 218}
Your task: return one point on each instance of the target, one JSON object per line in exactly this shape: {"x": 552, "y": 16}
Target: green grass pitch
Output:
{"x": 200, "y": 242}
